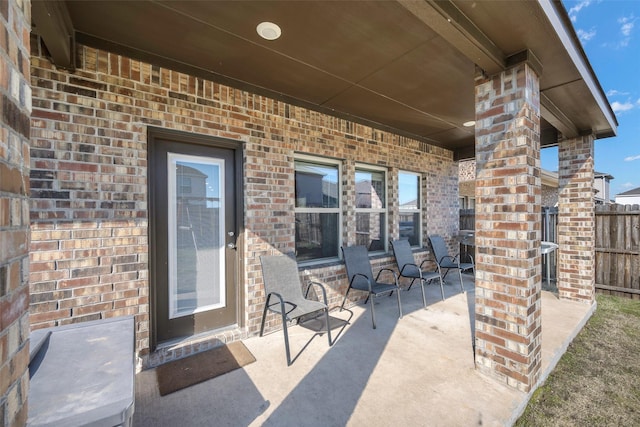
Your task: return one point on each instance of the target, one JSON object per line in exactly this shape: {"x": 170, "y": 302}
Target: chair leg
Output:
{"x": 373, "y": 313}
{"x": 441, "y": 288}
{"x": 345, "y": 299}
{"x": 424, "y": 298}
{"x": 326, "y": 312}
{"x": 264, "y": 315}
{"x": 286, "y": 338}
{"x": 461, "y": 285}
{"x": 399, "y": 304}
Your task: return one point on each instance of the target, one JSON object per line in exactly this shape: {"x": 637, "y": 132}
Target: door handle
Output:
{"x": 231, "y": 245}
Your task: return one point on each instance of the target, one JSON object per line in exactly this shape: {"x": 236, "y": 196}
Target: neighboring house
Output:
{"x": 467, "y": 187}
{"x": 549, "y": 184}
{"x": 601, "y": 186}
{"x": 631, "y": 197}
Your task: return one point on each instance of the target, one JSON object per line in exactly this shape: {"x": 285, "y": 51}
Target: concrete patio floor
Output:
{"x": 414, "y": 371}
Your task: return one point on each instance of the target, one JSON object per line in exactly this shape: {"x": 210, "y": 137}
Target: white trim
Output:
{"x": 363, "y": 167}
{"x": 172, "y": 160}
{"x": 330, "y": 162}
{"x": 419, "y": 208}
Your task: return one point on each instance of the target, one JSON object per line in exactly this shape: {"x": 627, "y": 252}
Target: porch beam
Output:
{"x": 453, "y": 26}
{"x": 53, "y": 24}
{"x": 557, "y": 118}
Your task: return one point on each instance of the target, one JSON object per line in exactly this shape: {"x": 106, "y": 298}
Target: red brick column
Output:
{"x": 508, "y": 196}
{"x": 576, "y": 220}
{"x": 15, "y": 109}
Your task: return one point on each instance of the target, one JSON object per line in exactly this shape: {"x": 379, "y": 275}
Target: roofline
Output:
{"x": 634, "y": 192}
{"x": 559, "y": 18}
{"x": 603, "y": 174}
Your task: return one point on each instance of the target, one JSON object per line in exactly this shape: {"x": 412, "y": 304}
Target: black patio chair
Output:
{"x": 282, "y": 283}
{"x": 408, "y": 268}
{"x": 360, "y": 275}
{"x": 449, "y": 262}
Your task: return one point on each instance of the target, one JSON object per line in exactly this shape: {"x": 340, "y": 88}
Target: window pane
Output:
{"x": 370, "y": 190}
{"x": 408, "y": 191}
{"x": 316, "y": 235}
{"x": 196, "y": 245}
{"x": 410, "y": 227}
{"x": 316, "y": 185}
{"x": 371, "y": 230}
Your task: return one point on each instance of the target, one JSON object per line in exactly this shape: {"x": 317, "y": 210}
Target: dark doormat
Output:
{"x": 182, "y": 373}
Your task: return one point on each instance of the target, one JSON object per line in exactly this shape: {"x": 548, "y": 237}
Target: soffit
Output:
{"x": 396, "y": 65}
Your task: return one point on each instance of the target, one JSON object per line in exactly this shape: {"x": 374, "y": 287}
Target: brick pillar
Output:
{"x": 508, "y": 197}
{"x": 576, "y": 220}
{"x": 15, "y": 109}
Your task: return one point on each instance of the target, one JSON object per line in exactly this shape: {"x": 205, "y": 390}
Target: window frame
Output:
{"x": 417, "y": 210}
{"x": 325, "y": 162}
{"x": 364, "y": 167}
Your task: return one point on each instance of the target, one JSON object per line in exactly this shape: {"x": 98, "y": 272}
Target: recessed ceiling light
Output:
{"x": 469, "y": 123}
{"x": 268, "y": 30}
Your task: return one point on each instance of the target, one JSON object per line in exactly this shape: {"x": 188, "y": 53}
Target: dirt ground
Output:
{"x": 597, "y": 381}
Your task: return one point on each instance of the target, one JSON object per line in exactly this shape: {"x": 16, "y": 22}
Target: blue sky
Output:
{"x": 610, "y": 35}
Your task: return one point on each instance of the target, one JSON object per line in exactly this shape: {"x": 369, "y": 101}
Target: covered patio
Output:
{"x": 99, "y": 95}
{"x": 418, "y": 370}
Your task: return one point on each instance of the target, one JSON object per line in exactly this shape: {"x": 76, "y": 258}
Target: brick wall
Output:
{"x": 576, "y": 220}
{"x": 89, "y": 182}
{"x": 15, "y": 108}
{"x": 508, "y": 232}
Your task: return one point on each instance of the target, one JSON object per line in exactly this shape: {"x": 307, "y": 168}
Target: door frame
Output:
{"x": 154, "y": 134}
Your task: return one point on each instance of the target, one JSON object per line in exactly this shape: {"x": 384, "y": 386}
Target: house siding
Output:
{"x": 89, "y": 208}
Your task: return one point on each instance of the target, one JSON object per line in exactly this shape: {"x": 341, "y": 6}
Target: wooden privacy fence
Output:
{"x": 617, "y": 246}
{"x": 618, "y": 250}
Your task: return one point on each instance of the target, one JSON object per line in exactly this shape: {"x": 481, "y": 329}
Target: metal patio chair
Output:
{"x": 360, "y": 275}
{"x": 408, "y": 268}
{"x": 448, "y": 262}
{"x": 284, "y": 295}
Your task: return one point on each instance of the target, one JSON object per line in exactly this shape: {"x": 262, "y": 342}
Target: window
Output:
{"x": 317, "y": 208}
{"x": 410, "y": 207}
{"x": 371, "y": 208}
{"x": 471, "y": 203}
{"x": 467, "y": 202}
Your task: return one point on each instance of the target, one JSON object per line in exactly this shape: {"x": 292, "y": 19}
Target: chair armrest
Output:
{"x": 425, "y": 261}
{"x": 454, "y": 259}
{"x": 407, "y": 264}
{"x": 277, "y": 295}
{"x": 437, "y": 265}
{"x": 365, "y": 278}
{"x": 281, "y": 301}
{"x": 395, "y": 276}
{"x": 322, "y": 288}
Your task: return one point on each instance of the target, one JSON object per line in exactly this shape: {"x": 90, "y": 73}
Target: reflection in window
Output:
{"x": 410, "y": 207}
{"x": 195, "y": 239}
{"x": 317, "y": 209}
{"x": 371, "y": 209}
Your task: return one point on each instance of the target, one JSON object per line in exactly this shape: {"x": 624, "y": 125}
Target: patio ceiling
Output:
{"x": 406, "y": 66}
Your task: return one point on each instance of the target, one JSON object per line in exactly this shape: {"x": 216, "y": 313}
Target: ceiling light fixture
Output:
{"x": 268, "y": 30}
{"x": 469, "y": 123}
